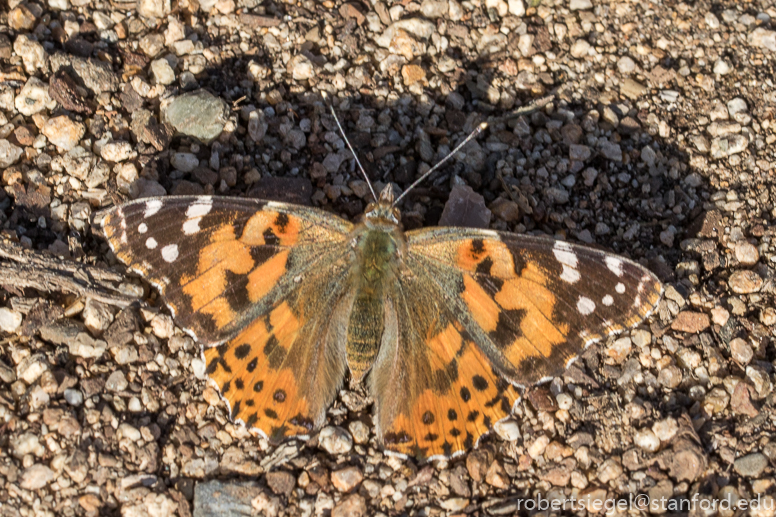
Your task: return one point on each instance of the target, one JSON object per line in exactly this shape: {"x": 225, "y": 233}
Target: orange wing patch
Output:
{"x": 249, "y": 370}
{"x": 521, "y": 296}
{"x": 461, "y": 406}
{"x": 227, "y": 254}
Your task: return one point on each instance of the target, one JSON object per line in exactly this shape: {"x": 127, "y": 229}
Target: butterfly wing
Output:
{"x": 256, "y": 281}
{"x": 523, "y": 308}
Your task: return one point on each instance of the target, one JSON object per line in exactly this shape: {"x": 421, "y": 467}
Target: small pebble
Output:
{"x": 665, "y": 429}
{"x": 10, "y": 320}
{"x": 507, "y": 429}
{"x": 74, "y": 397}
{"x": 645, "y": 439}
{"x": 335, "y": 440}
{"x": 36, "y": 477}
{"x": 741, "y": 351}
{"x": 745, "y": 282}
{"x": 346, "y": 479}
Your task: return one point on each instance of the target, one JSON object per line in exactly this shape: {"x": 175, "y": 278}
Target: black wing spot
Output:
{"x": 222, "y": 349}
{"x": 213, "y": 366}
{"x": 236, "y": 292}
{"x": 224, "y": 365}
{"x": 484, "y": 267}
{"x": 301, "y": 421}
{"x": 238, "y": 383}
{"x": 242, "y": 351}
{"x": 508, "y": 327}
{"x": 443, "y": 378}
{"x": 477, "y": 247}
{"x": 479, "y": 382}
{"x": 274, "y": 352}
{"x": 455, "y": 432}
{"x": 279, "y": 396}
{"x": 465, "y": 394}
{"x": 235, "y": 410}
{"x": 452, "y": 415}
{"x": 252, "y": 365}
{"x": 270, "y": 239}
{"x": 396, "y": 438}
{"x": 227, "y": 385}
{"x": 261, "y": 254}
{"x": 473, "y": 416}
{"x": 428, "y": 418}
{"x": 486, "y": 420}
{"x": 469, "y": 441}
{"x": 447, "y": 449}
{"x": 431, "y": 437}
{"x": 258, "y": 386}
{"x": 281, "y": 222}
{"x": 252, "y": 420}
{"x": 270, "y": 413}
{"x": 250, "y": 402}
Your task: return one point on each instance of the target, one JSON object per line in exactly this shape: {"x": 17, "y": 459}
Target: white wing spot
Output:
{"x": 170, "y": 253}
{"x": 151, "y": 243}
{"x": 620, "y": 288}
{"x": 152, "y": 207}
{"x": 585, "y": 306}
{"x": 614, "y": 264}
{"x": 191, "y": 226}
{"x": 608, "y": 300}
{"x": 569, "y": 274}
{"x": 564, "y": 254}
{"x": 142, "y": 228}
{"x": 200, "y": 208}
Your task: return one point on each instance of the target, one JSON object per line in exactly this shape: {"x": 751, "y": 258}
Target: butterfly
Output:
{"x": 442, "y": 324}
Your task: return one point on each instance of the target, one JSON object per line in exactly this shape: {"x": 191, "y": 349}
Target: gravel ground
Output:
{"x": 655, "y": 139}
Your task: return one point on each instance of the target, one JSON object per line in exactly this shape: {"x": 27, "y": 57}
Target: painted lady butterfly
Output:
{"x": 442, "y": 323}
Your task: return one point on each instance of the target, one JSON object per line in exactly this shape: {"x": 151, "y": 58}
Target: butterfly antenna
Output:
{"x": 441, "y": 162}
{"x": 344, "y": 137}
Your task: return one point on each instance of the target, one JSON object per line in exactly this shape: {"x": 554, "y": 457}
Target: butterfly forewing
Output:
{"x": 532, "y": 304}
{"x": 220, "y": 262}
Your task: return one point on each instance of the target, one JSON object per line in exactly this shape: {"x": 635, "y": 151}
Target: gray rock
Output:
{"x": 198, "y": 114}
{"x": 751, "y": 465}
{"x": 93, "y": 74}
{"x": 465, "y": 208}
{"x": 335, "y": 440}
{"x": 224, "y": 498}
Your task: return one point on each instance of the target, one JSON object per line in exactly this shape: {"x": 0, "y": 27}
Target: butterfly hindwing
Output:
{"x": 435, "y": 390}
{"x": 257, "y": 279}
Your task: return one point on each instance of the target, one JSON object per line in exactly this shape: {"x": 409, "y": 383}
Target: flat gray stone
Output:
{"x": 217, "y": 499}
{"x": 198, "y": 114}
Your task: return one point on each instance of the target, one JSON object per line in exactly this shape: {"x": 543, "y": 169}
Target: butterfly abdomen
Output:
{"x": 376, "y": 256}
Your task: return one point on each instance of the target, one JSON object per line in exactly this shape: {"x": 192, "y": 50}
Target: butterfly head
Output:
{"x": 383, "y": 212}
